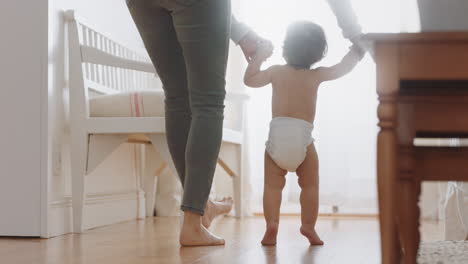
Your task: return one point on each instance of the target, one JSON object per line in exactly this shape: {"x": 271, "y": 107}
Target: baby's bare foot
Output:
{"x": 311, "y": 235}
{"x": 215, "y": 209}
{"x": 269, "y": 239}
{"x": 192, "y": 236}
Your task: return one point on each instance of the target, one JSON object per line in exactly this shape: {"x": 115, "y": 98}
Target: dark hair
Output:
{"x": 305, "y": 44}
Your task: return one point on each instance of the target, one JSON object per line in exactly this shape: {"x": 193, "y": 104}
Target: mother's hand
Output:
{"x": 365, "y": 45}
{"x": 249, "y": 44}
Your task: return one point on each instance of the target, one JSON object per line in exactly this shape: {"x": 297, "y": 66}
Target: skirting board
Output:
{"x": 100, "y": 210}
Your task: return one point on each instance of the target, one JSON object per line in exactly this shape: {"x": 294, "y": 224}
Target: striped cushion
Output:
{"x": 128, "y": 104}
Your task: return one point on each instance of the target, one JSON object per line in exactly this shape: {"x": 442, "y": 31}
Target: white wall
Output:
{"x": 22, "y": 66}
{"x": 447, "y": 15}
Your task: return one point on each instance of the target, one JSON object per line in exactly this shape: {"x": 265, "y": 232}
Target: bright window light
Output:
{"x": 346, "y": 122}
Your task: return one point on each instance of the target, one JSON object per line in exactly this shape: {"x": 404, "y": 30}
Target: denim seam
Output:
{"x": 192, "y": 209}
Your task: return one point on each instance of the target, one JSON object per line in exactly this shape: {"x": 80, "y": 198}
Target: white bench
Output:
{"x": 114, "y": 98}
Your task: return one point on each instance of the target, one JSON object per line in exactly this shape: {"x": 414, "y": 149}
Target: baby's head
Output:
{"x": 305, "y": 44}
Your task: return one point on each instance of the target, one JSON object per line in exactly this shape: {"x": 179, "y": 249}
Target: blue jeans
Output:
{"x": 188, "y": 42}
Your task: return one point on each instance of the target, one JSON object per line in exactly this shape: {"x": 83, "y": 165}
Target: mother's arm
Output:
{"x": 238, "y": 30}
{"x": 347, "y": 19}
{"x": 349, "y": 24}
{"x": 245, "y": 37}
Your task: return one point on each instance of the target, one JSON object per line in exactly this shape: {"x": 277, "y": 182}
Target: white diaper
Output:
{"x": 288, "y": 141}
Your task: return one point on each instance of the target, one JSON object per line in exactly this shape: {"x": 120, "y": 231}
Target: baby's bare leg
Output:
{"x": 309, "y": 183}
{"x": 274, "y": 184}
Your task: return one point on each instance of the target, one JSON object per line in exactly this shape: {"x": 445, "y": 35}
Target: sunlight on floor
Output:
{"x": 155, "y": 240}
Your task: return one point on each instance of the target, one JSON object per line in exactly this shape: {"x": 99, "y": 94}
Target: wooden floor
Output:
{"x": 347, "y": 240}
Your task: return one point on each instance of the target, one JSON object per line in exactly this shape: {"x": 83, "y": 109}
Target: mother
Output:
{"x": 188, "y": 42}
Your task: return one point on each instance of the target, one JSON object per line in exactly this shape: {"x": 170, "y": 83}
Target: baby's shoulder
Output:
{"x": 276, "y": 68}
{"x": 316, "y": 74}
{"x": 316, "y": 70}
{"x": 276, "y": 72}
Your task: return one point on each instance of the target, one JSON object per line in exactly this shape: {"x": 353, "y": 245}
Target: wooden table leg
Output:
{"x": 387, "y": 57}
{"x": 386, "y": 178}
{"x": 387, "y": 174}
{"x": 409, "y": 187}
{"x": 409, "y": 213}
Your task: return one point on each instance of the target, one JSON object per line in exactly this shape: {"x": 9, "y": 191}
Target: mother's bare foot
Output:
{"x": 269, "y": 239}
{"x": 215, "y": 209}
{"x": 311, "y": 235}
{"x": 199, "y": 236}
{"x": 193, "y": 233}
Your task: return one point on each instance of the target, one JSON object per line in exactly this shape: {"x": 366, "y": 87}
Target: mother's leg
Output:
{"x": 157, "y": 31}
{"x": 156, "y": 28}
{"x": 203, "y": 29}
{"x": 203, "y": 32}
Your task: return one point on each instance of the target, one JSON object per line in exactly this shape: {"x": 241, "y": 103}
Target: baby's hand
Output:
{"x": 264, "y": 51}
{"x": 359, "y": 50}
{"x": 364, "y": 45}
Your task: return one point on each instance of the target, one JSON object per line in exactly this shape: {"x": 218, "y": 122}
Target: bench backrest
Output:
{"x": 99, "y": 64}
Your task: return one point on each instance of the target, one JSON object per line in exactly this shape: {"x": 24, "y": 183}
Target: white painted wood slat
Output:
{"x": 96, "y": 56}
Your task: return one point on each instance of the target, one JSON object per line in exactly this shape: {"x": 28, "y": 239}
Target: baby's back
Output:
{"x": 294, "y": 93}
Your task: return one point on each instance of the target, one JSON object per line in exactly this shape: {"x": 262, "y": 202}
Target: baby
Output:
{"x": 290, "y": 146}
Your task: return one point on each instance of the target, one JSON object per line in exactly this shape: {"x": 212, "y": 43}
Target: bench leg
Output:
{"x": 149, "y": 179}
{"x": 238, "y": 184}
{"x": 79, "y": 150}
{"x": 169, "y": 189}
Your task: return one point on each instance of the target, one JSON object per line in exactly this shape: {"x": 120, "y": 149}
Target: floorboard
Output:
{"x": 155, "y": 240}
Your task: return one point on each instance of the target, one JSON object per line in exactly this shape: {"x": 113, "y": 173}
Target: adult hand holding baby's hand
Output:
{"x": 265, "y": 50}
{"x": 250, "y": 44}
{"x": 365, "y": 46}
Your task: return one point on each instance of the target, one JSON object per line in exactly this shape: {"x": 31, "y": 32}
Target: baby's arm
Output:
{"x": 254, "y": 77}
{"x": 347, "y": 64}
